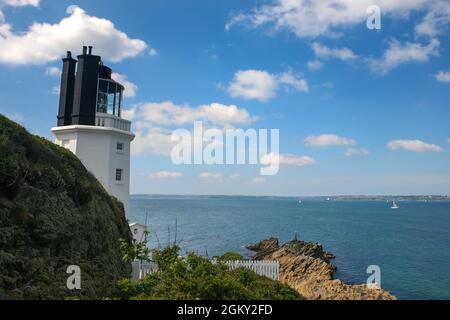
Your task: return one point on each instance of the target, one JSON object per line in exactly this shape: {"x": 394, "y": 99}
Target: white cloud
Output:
{"x": 56, "y": 90}
{"x": 261, "y": 85}
{"x": 130, "y": 88}
{"x": 14, "y": 3}
{"x": 153, "y": 52}
{"x": 306, "y": 18}
{"x": 331, "y": 18}
{"x": 436, "y": 20}
{"x": 351, "y": 152}
{"x": 166, "y": 175}
{"x": 129, "y": 114}
{"x": 328, "y": 85}
{"x": 338, "y": 53}
{"x": 169, "y": 114}
{"x": 153, "y": 121}
{"x": 152, "y": 140}
{"x": 315, "y": 65}
{"x": 448, "y": 140}
{"x": 328, "y": 140}
{"x": 290, "y": 80}
{"x": 287, "y": 160}
{"x": 235, "y": 176}
{"x": 20, "y": 3}
{"x": 292, "y": 160}
{"x": 53, "y": 72}
{"x": 253, "y": 84}
{"x": 400, "y": 53}
{"x": 211, "y": 175}
{"x": 44, "y": 42}
{"x": 414, "y": 146}
{"x": 443, "y": 76}
{"x": 258, "y": 180}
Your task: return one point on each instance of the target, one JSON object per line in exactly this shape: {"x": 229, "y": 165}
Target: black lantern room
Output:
{"x": 87, "y": 89}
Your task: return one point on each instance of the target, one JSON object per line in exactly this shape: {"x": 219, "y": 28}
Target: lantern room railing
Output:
{"x": 110, "y": 121}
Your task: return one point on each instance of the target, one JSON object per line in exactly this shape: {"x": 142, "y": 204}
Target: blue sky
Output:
{"x": 370, "y": 107}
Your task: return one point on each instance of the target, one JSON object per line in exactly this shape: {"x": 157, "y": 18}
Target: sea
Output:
{"x": 410, "y": 245}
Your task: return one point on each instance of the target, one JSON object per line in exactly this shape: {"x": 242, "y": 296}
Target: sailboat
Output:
{"x": 395, "y": 205}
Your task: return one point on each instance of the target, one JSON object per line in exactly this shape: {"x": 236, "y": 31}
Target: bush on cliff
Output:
{"x": 196, "y": 278}
{"x": 54, "y": 213}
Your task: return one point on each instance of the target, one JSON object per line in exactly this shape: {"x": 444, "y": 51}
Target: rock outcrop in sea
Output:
{"x": 307, "y": 268}
{"x": 54, "y": 214}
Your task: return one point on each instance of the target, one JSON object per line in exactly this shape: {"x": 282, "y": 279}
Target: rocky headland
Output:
{"x": 307, "y": 268}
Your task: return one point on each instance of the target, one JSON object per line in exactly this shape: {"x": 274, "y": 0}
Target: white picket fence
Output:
{"x": 142, "y": 268}
{"x": 269, "y": 269}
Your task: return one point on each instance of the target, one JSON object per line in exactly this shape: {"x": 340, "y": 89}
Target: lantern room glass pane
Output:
{"x": 102, "y": 96}
{"x": 103, "y": 86}
{"x": 109, "y": 97}
{"x": 119, "y": 103}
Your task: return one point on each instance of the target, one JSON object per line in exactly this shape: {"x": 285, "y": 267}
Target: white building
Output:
{"x": 139, "y": 232}
{"x": 90, "y": 122}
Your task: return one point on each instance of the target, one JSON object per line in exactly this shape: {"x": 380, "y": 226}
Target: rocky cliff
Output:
{"x": 53, "y": 214}
{"x": 306, "y": 267}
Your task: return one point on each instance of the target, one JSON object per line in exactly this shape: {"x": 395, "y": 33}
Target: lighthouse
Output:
{"x": 90, "y": 122}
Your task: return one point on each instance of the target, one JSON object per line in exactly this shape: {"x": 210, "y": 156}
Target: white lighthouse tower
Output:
{"x": 90, "y": 122}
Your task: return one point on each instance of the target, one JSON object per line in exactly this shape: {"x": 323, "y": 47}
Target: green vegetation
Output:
{"x": 134, "y": 251}
{"x": 54, "y": 213}
{"x": 196, "y": 278}
{"x": 231, "y": 256}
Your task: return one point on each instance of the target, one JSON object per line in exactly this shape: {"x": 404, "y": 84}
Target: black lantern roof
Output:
{"x": 80, "y": 93}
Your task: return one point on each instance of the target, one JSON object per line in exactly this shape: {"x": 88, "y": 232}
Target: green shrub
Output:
{"x": 231, "y": 256}
{"x": 134, "y": 251}
{"x": 196, "y": 278}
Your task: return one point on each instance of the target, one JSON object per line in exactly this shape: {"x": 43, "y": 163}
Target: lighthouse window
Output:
{"x": 119, "y": 173}
{"x": 119, "y": 146}
{"x": 109, "y": 97}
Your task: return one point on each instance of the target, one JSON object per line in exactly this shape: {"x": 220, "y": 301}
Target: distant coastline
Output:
{"x": 333, "y": 198}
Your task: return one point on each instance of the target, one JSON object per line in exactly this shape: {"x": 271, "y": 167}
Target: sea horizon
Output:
{"x": 331, "y": 196}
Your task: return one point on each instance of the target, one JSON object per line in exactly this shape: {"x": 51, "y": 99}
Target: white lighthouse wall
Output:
{"x": 97, "y": 150}
{"x": 67, "y": 140}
